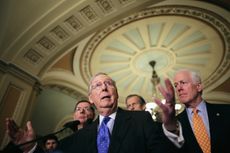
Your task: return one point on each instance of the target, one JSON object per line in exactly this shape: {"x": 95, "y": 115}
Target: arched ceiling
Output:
{"x": 174, "y": 36}
{"x": 119, "y": 37}
{"x": 173, "y": 42}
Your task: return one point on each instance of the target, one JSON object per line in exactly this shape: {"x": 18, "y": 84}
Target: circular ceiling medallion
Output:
{"x": 164, "y": 58}
{"x": 173, "y": 38}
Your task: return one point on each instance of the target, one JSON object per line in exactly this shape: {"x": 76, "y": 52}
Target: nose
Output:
{"x": 179, "y": 87}
{"x": 82, "y": 110}
{"x": 104, "y": 86}
{"x": 131, "y": 107}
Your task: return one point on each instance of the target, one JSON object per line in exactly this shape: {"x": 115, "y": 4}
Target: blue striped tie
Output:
{"x": 103, "y": 137}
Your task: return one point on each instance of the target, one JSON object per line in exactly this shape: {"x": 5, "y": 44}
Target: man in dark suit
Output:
{"x": 84, "y": 112}
{"x": 189, "y": 89}
{"x": 132, "y": 132}
{"x": 129, "y": 131}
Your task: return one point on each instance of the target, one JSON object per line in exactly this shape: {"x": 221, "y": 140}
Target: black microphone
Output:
{"x": 88, "y": 122}
{"x": 71, "y": 124}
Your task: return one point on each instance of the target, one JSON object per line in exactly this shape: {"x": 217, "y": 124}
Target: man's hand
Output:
{"x": 18, "y": 135}
{"x": 168, "y": 108}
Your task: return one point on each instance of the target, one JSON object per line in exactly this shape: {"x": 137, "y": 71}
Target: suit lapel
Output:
{"x": 121, "y": 125}
{"x": 187, "y": 129}
{"x": 188, "y": 132}
{"x": 92, "y": 137}
{"x": 214, "y": 119}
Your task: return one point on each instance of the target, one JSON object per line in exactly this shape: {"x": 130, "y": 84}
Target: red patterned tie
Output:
{"x": 200, "y": 132}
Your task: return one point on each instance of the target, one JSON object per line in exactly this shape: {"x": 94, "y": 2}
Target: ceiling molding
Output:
{"x": 218, "y": 55}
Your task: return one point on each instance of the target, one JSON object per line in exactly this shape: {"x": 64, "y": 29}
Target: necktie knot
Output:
{"x": 195, "y": 111}
{"x": 106, "y": 119}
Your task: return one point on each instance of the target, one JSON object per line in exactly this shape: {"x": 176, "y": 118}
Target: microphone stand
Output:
{"x": 70, "y": 124}
{"x": 40, "y": 138}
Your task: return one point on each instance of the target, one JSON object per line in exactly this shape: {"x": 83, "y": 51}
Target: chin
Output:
{"x": 183, "y": 101}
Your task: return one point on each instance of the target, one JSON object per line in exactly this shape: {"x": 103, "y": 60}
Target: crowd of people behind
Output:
{"x": 133, "y": 130}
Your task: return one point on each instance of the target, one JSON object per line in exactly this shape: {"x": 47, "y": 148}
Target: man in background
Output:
{"x": 50, "y": 144}
{"x": 84, "y": 112}
{"x": 135, "y": 102}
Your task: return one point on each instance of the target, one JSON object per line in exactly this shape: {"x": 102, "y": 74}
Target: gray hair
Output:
{"x": 196, "y": 78}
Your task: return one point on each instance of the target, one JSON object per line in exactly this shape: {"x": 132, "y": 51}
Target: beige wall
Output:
{"x": 16, "y": 98}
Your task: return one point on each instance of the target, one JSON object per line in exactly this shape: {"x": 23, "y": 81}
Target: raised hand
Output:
{"x": 168, "y": 108}
{"x": 18, "y": 135}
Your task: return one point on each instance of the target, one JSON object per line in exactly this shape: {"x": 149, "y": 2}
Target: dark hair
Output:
{"x": 84, "y": 101}
{"x": 142, "y": 101}
{"x": 50, "y": 137}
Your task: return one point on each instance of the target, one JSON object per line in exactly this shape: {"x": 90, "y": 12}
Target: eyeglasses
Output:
{"x": 80, "y": 109}
{"x": 99, "y": 85}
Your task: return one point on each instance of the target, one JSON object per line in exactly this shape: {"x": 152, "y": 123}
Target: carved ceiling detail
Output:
{"x": 216, "y": 23}
{"x": 71, "y": 26}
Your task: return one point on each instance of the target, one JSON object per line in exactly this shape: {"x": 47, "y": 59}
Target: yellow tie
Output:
{"x": 200, "y": 132}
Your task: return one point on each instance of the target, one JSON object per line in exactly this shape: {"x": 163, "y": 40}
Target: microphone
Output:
{"x": 72, "y": 125}
{"x": 88, "y": 122}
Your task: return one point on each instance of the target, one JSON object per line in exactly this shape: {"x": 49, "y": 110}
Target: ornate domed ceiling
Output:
{"x": 174, "y": 37}
{"x": 119, "y": 37}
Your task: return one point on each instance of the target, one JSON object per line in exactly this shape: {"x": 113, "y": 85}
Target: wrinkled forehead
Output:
{"x": 181, "y": 76}
{"x": 133, "y": 99}
{"x": 50, "y": 141}
{"x": 83, "y": 104}
{"x": 99, "y": 78}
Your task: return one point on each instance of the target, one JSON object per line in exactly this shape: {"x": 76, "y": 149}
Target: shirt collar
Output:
{"x": 200, "y": 107}
{"x": 112, "y": 116}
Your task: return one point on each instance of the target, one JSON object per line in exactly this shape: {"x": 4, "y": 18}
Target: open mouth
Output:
{"x": 105, "y": 97}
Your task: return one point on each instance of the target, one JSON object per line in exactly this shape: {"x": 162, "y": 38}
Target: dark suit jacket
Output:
{"x": 133, "y": 132}
{"x": 219, "y": 123}
{"x": 11, "y": 148}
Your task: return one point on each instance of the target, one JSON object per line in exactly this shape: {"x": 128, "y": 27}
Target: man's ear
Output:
{"x": 199, "y": 87}
{"x": 143, "y": 107}
{"x": 90, "y": 100}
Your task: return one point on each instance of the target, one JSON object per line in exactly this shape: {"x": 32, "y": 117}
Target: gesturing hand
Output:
{"x": 168, "y": 108}
{"x": 19, "y": 135}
